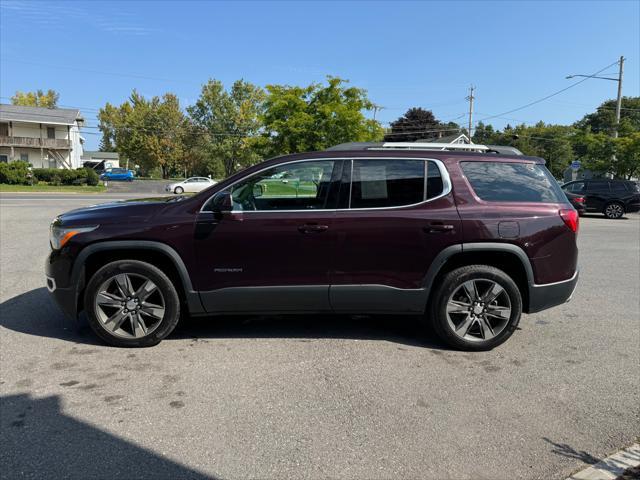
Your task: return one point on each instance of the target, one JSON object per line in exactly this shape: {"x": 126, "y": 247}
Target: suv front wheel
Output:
{"x": 131, "y": 304}
{"x": 476, "y": 307}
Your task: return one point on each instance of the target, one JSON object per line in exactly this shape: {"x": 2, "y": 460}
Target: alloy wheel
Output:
{"x": 129, "y": 305}
{"x": 614, "y": 210}
{"x": 478, "y": 310}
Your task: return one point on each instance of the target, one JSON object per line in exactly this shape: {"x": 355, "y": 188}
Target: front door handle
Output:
{"x": 439, "y": 227}
{"x": 312, "y": 228}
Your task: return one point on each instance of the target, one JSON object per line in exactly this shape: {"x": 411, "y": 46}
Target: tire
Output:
{"x": 613, "y": 210}
{"x": 494, "y": 321}
{"x": 178, "y": 190}
{"x": 125, "y": 310}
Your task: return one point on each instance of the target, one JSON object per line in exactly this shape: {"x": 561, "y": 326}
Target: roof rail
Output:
{"x": 472, "y": 147}
{"x": 464, "y": 147}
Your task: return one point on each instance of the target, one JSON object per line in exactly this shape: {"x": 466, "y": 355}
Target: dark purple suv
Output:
{"x": 466, "y": 241}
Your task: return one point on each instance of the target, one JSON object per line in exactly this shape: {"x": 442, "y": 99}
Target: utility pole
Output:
{"x": 375, "y": 110}
{"x": 470, "y": 98}
{"x": 619, "y": 102}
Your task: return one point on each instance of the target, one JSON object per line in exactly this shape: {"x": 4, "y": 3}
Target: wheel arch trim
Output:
{"x": 77, "y": 273}
{"x": 443, "y": 257}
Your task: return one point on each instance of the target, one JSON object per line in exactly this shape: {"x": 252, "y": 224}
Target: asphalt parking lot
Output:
{"x": 315, "y": 397}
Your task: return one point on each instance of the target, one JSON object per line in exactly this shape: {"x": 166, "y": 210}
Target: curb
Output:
{"x": 611, "y": 467}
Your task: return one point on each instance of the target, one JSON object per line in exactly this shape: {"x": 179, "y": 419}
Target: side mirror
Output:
{"x": 222, "y": 203}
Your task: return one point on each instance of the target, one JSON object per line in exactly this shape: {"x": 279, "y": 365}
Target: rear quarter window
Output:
{"x": 618, "y": 187}
{"x": 512, "y": 182}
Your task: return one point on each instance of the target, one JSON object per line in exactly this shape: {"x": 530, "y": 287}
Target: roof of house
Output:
{"x": 95, "y": 154}
{"x": 445, "y": 139}
{"x": 53, "y": 116}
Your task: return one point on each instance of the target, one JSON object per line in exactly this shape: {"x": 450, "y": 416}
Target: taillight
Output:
{"x": 570, "y": 218}
{"x": 579, "y": 199}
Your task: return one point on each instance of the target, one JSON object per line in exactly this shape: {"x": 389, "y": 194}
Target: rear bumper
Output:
{"x": 632, "y": 208}
{"x": 550, "y": 295}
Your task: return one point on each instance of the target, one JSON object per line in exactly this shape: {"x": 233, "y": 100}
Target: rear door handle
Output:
{"x": 312, "y": 228}
{"x": 438, "y": 227}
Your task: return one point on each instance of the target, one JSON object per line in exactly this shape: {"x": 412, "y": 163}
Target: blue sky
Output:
{"x": 404, "y": 53}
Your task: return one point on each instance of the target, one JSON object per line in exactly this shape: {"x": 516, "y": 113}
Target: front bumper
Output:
{"x": 58, "y": 282}
{"x": 66, "y": 298}
{"x": 550, "y": 295}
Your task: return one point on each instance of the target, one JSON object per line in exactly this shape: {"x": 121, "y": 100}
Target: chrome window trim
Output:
{"x": 446, "y": 186}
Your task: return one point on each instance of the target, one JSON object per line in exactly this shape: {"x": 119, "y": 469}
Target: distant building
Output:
{"x": 44, "y": 137}
{"x": 456, "y": 139}
{"x": 100, "y": 160}
{"x": 570, "y": 174}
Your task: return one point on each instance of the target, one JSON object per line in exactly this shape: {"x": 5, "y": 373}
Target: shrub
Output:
{"x": 55, "y": 180}
{"x": 16, "y": 173}
{"x": 57, "y": 176}
{"x": 92, "y": 177}
{"x": 44, "y": 174}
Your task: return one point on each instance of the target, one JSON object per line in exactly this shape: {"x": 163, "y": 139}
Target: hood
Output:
{"x": 125, "y": 211}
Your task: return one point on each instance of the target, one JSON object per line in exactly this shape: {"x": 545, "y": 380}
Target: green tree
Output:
{"x": 149, "y": 133}
{"x": 418, "y": 123}
{"x": 36, "y": 99}
{"x": 231, "y": 122}
{"x": 299, "y": 119}
{"x": 554, "y": 143}
{"x": 627, "y": 160}
{"x": 602, "y": 153}
{"x": 485, "y": 134}
{"x": 603, "y": 119}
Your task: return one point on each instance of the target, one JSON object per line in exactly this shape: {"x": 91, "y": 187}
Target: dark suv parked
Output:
{"x": 613, "y": 198}
{"x": 466, "y": 241}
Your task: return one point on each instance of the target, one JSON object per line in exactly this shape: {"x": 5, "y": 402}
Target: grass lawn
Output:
{"x": 293, "y": 188}
{"x": 52, "y": 188}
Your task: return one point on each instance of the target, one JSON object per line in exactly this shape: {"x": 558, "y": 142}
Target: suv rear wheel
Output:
{"x": 131, "y": 304}
{"x": 614, "y": 210}
{"x": 477, "y": 307}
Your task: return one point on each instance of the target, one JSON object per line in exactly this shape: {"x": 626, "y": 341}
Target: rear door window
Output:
{"x": 598, "y": 186}
{"x": 387, "y": 183}
{"x": 513, "y": 182}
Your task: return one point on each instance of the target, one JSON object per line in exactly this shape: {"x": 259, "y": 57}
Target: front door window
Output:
{"x": 294, "y": 186}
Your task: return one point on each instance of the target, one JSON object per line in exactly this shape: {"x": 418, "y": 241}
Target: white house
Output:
{"x": 44, "y": 137}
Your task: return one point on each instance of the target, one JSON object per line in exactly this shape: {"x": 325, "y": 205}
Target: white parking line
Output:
{"x": 612, "y": 466}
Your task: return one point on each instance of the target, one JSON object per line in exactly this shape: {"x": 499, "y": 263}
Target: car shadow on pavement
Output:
{"x": 401, "y": 329}
{"x": 35, "y": 313}
{"x": 40, "y": 441}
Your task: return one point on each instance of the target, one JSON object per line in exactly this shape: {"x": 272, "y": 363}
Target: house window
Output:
{"x": 4, "y": 158}
{"x": 51, "y": 132}
{"x": 4, "y": 129}
{"x": 24, "y": 157}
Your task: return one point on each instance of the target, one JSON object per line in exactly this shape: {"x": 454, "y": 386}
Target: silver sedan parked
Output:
{"x": 193, "y": 184}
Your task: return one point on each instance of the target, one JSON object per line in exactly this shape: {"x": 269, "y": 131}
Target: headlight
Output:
{"x": 59, "y": 236}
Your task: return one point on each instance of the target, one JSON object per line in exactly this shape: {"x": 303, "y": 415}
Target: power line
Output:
{"x": 550, "y": 95}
